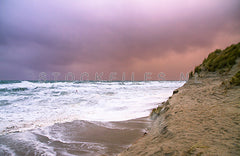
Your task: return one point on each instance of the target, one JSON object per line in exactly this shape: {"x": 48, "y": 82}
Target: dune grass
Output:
{"x": 220, "y": 60}
{"x": 156, "y": 111}
{"x": 235, "y": 81}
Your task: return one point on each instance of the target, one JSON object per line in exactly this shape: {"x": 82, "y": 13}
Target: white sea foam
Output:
{"x": 43, "y": 104}
{"x": 4, "y": 150}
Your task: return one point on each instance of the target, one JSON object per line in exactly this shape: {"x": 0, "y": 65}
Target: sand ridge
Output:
{"x": 203, "y": 118}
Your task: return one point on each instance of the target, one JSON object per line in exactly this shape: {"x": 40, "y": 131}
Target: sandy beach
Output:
{"x": 201, "y": 118}
{"x": 76, "y": 138}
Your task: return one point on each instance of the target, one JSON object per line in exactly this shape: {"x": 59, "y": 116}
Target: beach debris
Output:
{"x": 175, "y": 91}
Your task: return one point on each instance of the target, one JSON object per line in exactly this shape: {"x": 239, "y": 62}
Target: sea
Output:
{"x": 76, "y": 118}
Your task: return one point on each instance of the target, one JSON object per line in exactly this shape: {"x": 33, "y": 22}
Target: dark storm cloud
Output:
{"x": 54, "y": 35}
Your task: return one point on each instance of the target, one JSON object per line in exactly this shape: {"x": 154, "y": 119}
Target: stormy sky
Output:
{"x": 169, "y": 36}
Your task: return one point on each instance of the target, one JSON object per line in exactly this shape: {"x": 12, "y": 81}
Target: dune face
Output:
{"x": 203, "y": 116}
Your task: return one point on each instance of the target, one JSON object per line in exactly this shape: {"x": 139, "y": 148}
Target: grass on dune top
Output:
{"x": 221, "y": 61}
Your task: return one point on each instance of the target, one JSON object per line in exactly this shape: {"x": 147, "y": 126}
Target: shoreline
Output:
{"x": 79, "y": 137}
{"x": 62, "y": 121}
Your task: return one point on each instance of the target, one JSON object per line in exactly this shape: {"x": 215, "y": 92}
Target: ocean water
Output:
{"x": 53, "y": 118}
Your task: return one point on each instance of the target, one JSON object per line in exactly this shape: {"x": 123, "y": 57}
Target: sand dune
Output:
{"x": 201, "y": 118}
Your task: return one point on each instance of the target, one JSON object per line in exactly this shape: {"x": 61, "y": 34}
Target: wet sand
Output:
{"x": 76, "y": 138}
